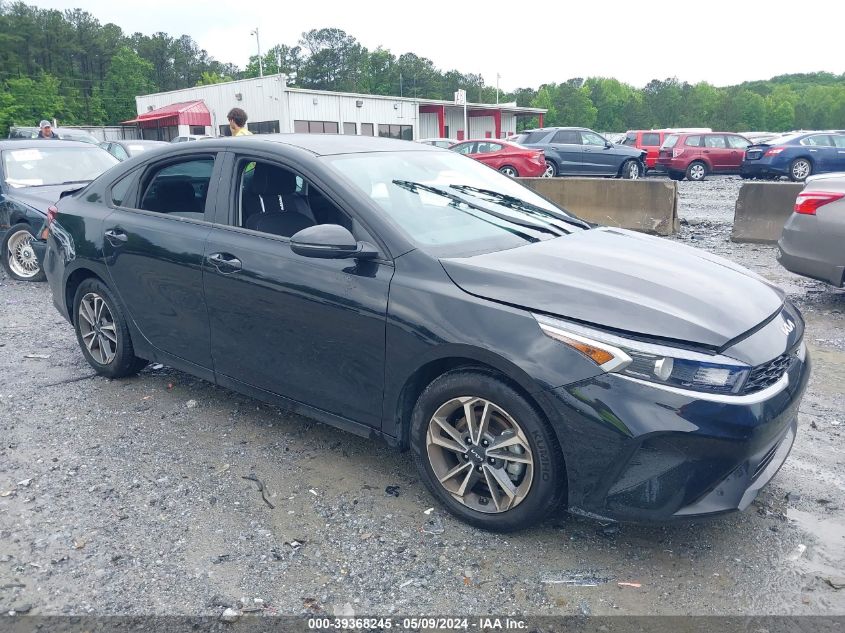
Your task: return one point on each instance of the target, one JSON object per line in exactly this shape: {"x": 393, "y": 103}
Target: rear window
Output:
{"x": 651, "y": 139}
{"x": 693, "y": 141}
{"x": 536, "y": 137}
{"x": 671, "y": 141}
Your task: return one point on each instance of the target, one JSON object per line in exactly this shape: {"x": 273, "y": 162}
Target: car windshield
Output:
{"x": 54, "y": 165}
{"x": 452, "y": 205}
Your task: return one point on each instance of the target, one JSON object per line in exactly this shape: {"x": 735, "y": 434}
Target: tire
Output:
{"x": 507, "y": 170}
{"x": 19, "y": 259}
{"x": 696, "y": 171}
{"x": 554, "y": 169}
{"x": 103, "y": 335}
{"x": 800, "y": 169}
{"x": 631, "y": 170}
{"x": 537, "y": 482}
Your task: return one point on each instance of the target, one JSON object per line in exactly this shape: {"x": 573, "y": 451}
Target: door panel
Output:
{"x": 597, "y": 159}
{"x": 312, "y": 330}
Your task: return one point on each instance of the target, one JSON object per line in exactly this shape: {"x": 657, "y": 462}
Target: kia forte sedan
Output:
{"x": 529, "y": 360}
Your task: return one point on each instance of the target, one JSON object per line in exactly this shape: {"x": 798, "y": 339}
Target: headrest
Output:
{"x": 272, "y": 180}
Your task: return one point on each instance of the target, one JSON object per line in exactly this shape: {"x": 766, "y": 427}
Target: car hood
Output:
{"x": 40, "y": 198}
{"x": 625, "y": 281}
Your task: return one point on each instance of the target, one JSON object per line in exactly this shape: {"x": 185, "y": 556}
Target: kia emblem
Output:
{"x": 787, "y": 327}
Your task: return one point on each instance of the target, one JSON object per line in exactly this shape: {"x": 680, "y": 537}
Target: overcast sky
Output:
{"x": 528, "y": 43}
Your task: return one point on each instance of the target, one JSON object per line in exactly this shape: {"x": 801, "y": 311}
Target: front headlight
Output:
{"x": 671, "y": 366}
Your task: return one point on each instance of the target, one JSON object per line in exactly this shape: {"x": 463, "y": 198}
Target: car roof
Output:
{"x": 549, "y": 129}
{"x": 325, "y": 144}
{"x": 25, "y": 143}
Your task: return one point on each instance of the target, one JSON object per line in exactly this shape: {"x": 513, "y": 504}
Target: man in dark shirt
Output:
{"x": 46, "y": 130}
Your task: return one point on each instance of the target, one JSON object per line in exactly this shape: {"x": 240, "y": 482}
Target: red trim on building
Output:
{"x": 440, "y": 111}
{"x": 540, "y": 121}
{"x": 184, "y": 113}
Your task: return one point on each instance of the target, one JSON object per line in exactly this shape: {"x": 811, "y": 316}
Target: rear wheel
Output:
{"x": 19, "y": 258}
{"x": 696, "y": 171}
{"x": 102, "y": 332}
{"x": 551, "y": 169}
{"x": 630, "y": 170}
{"x": 507, "y": 170}
{"x": 485, "y": 453}
{"x": 800, "y": 169}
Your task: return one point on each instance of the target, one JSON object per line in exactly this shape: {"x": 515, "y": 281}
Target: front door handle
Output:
{"x": 116, "y": 237}
{"x": 224, "y": 262}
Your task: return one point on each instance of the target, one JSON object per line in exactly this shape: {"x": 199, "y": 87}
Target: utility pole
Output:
{"x": 498, "y": 76}
{"x": 258, "y": 43}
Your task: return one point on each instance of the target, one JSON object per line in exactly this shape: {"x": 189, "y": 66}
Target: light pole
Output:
{"x": 498, "y": 76}
{"x": 258, "y": 43}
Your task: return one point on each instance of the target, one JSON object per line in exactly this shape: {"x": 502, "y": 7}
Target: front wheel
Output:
{"x": 507, "y": 170}
{"x": 800, "y": 169}
{"x": 630, "y": 170}
{"x": 19, "y": 258}
{"x": 485, "y": 453}
{"x": 102, "y": 332}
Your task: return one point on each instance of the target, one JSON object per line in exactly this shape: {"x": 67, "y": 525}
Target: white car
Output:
{"x": 189, "y": 137}
{"x": 438, "y": 142}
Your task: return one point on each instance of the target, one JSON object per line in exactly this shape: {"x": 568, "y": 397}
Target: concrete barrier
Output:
{"x": 762, "y": 209}
{"x": 650, "y": 206}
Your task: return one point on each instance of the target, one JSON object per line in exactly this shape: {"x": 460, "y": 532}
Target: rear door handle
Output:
{"x": 116, "y": 237}
{"x": 224, "y": 262}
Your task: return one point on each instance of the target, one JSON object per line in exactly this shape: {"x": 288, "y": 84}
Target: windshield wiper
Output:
{"x": 412, "y": 186}
{"x": 516, "y": 203}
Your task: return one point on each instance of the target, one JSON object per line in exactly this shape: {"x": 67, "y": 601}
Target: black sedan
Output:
{"x": 33, "y": 174}
{"x": 404, "y": 292}
{"x": 578, "y": 151}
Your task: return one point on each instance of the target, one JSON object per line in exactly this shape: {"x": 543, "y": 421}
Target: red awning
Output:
{"x": 184, "y": 113}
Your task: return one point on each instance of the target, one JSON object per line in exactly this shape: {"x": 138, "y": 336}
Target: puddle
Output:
{"x": 826, "y": 555}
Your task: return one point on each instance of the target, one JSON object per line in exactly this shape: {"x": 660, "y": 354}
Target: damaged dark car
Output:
{"x": 529, "y": 360}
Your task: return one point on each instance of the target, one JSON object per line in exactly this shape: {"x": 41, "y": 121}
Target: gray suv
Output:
{"x": 578, "y": 151}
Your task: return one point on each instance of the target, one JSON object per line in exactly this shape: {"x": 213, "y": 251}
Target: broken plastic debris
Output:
{"x": 635, "y": 585}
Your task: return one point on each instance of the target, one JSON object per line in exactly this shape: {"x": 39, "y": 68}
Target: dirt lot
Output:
{"x": 130, "y": 497}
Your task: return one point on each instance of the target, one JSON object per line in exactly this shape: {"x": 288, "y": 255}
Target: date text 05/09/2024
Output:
{"x": 418, "y": 623}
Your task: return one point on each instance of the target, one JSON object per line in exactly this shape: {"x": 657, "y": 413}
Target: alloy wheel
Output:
{"x": 97, "y": 328}
{"x": 22, "y": 259}
{"x": 509, "y": 171}
{"x": 550, "y": 171}
{"x": 633, "y": 170}
{"x": 480, "y": 454}
{"x": 800, "y": 169}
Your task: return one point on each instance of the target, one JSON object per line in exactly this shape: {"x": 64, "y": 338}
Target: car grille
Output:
{"x": 767, "y": 374}
{"x": 754, "y": 154}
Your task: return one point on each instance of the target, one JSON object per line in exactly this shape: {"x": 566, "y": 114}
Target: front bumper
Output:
{"x": 645, "y": 454}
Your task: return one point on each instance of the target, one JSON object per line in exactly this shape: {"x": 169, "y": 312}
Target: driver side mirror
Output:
{"x": 330, "y": 241}
{"x": 608, "y": 144}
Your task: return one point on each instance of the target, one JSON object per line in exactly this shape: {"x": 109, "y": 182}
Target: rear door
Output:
{"x": 716, "y": 152}
{"x": 153, "y": 250}
{"x": 566, "y": 150}
{"x": 737, "y": 144}
{"x": 650, "y": 142}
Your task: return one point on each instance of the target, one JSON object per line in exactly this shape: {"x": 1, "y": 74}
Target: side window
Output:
{"x": 651, "y": 139}
{"x": 693, "y": 141}
{"x": 839, "y": 141}
{"x": 591, "y": 138}
{"x": 566, "y": 137}
{"x": 716, "y": 141}
{"x": 485, "y": 147}
{"x": 818, "y": 140}
{"x": 179, "y": 188}
{"x": 466, "y": 148}
{"x": 631, "y": 139}
{"x": 120, "y": 189}
{"x": 737, "y": 142}
{"x": 278, "y": 201}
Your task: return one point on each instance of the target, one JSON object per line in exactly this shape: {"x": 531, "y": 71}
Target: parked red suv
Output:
{"x": 649, "y": 140}
{"x": 695, "y": 155}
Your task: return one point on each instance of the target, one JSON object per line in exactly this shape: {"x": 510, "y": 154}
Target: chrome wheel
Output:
{"x": 550, "y": 171}
{"x": 801, "y": 169}
{"x": 509, "y": 171}
{"x": 22, "y": 259}
{"x": 696, "y": 172}
{"x": 97, "y": 329}
{"x": 480, "y": 454}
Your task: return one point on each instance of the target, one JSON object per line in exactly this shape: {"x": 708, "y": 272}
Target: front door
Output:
{"x": 311, "y": 330}
{"x": 153, "y": 249}
{"x": 598, "y": 158}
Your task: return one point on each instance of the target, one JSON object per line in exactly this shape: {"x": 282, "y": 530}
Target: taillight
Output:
{"x": 774, "y": 151}
{"x": 677, "y": 152}
{"x": 51, "y": 217}
{"x": 808, "y": 202}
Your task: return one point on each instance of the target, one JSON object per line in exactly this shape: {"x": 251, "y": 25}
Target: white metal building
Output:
{"x": 272, "y": 106}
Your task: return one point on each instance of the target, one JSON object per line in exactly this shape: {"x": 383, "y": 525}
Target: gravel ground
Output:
{"x": 131, "y": 497}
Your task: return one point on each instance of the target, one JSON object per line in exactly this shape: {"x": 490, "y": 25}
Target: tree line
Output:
{"x": 69, "y": 66}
